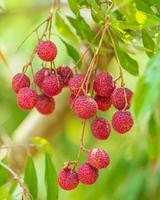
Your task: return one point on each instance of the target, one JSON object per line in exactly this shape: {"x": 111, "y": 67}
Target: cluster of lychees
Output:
{"x": 49, "y": 83}
{"x": 106, "y": 94}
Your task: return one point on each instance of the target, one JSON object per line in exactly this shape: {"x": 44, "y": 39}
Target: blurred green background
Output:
{"x": 132, "y": 175}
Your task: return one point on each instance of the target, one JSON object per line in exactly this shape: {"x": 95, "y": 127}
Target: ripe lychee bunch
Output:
{"x": 77, "y": 84}
{"x": 68, "y": 179}
{"x": 87, "y": 174}
{"x": 45, "y": 105}
{"x": 19, "y": 81}
{"x": 122, "y": 121}
{"x": 121, "y": 98}
{"x": 85, "y": 107}
{"x": 46, "y": 50}
{"x": 100, "y": 128}
{"x": 104, "y": 84}
{"x": 65, "y": 73}
{"x": 27, "y": 98}
{"x": 98, "y": 158}
{"x": 104, "y": 103}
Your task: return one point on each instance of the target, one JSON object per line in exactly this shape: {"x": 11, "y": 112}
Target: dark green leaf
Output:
{"x": 151, "y": 2}
{"x": 30, "y": 177}
{"x": 146, "y": 94}
{"x": 74, "y": 6}
{"x": 64, "y": 29}
{"x": 148, "y": 43}
{"x": 50, "y": 179}
{"x": 72, "y": 52}
{"x": 141, "y": 5}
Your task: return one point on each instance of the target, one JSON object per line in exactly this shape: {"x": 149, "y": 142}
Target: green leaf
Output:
{"x": 30, "y": 177}
{"x": 50, "y": 179}
{"x": 141, "y": 5}
{"x": 64, "y": 29}
{"x": 128, "y": 63}
{"x": 151, "y": 2}
{"x": 4, "y": 194}
{"x": 146, "y": 94}
{"x": 74, "y": 6}
{"x": 72, "y": 52}
{"x": 148, "y": 43}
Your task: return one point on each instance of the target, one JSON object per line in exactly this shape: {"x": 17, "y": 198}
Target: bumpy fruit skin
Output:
{"x": 46, "y": 50}
{"x": 85, "y": 107}
{"x": 27, "y": 98}
{"x": 45, "y": 105}
{"x": 68, "y": 179}
{"x": 40, "y": 75}
{"x": 104, "y": 103}
{"x": 75, "y": 84}
{"x": 51, "y": 85}
{"x": 19, "y": 81}
{"x": 122, "y": 121}
{"x": 65, "y": 73}
{"x": 121, "y": 98}
{"x": 100, "y": 128}
{"x": 71, "y": 101}
{"x": 98, "y": 158}
{"x": 104, "y": 84}
{"x": 87, "y": 174}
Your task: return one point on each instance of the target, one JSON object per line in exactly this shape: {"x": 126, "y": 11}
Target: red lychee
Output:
{"x": 51, "y": 85}
{"x": 46, "y": 50}
{"x": 87, "y": 174}
{"x": 71, "y": 101}
{"x": 100, "y": 128}
{"x": 65, "y": 73}
{"x": 85, "y": 107}
{"x": 45, "y": 105}
{"x": 27, "y": 98}
{"x": 104, "y": 103}
{"x": 98, "y": 158}
{"x": 75, "y": 84}
{"x": 68, "y": 179}
{"x": 104, "y": 84}
{"x": 40, "y": 75}
{"x": 19, "y": 81}
{"x": 122, "y": 121}
{"x": 121, "y": 98}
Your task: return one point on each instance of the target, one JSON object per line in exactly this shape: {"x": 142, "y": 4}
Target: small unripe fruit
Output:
{"x": 104, "y": 84}
{"x": 104, "y": 103}
{"x": 40, "y": 75}
{"x": 46, "y": 50}
{"x": 75, "y": 84}
{"x": 65, "y": 73}
{"x": 51, "y": 85}
{"x": 45, "y": 105}
{"x": 85, "y": 107}
{"x": 87, "y": 174}
{"x": 27, "y": 98}
{"x": 98, "y": 158}
{"x": 121, "y": 98}
{"x": 19, "y": 81}
{"x": 68, "y": 179}
{"x": 122, "y": 121}
{"x": 100, "y": 128}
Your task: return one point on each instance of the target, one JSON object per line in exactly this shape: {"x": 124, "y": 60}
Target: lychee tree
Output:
{"x": 93, "y": 33}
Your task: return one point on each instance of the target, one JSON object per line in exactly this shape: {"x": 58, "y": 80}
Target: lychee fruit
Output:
{"x": 75, "y": 84}
{"x": 51, "y": 85}
{"x": 85, "y": 107}
{"x": 46, "y": 50}
{"x": 27, "y": 98}
{"x": 87, "y": 174}
{"x": 65, "y": 73}
{"x": 122, "y": 121}
{"x": 100, "y": 128}
{"x": 45, "y": 105}
{"x": 104, "y": 84}
{"x": 121, "y": 98}
{"x": 19, "y": 81}
{"x": 104, "y": 103}
{"x": 98, "y": 158}
{"x": 40, "y": 75}
{"x": 71, "y": 101}
{"x": 68, "y": 179}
